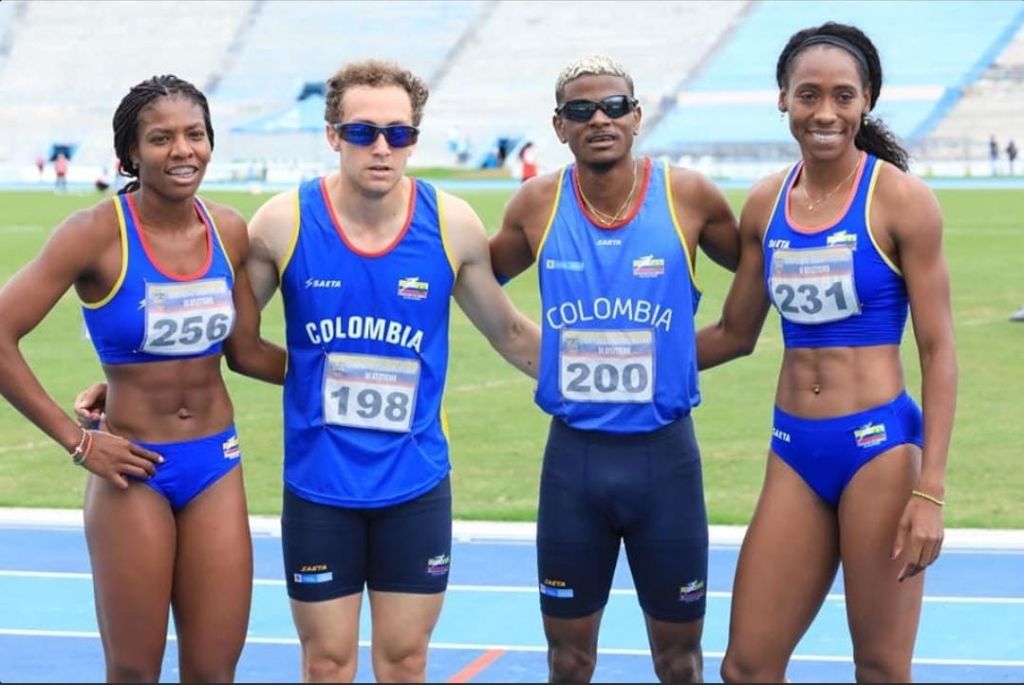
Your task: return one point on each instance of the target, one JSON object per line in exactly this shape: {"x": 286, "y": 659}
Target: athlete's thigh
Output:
{"x": 328, "y": 629}
{"x": 402, "y": 623}
{"x": 409, "y": 544}
{"x": 577, "y": 547}
{"x": 131, "y": 539}
{"x": 213, "y": 576}
{"x": 787, "y": 563}
{"x": 883, "y": 612}
{"x": 666, "y": 534}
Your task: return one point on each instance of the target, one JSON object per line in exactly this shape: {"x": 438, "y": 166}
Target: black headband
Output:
{"x": 824, "y": 38}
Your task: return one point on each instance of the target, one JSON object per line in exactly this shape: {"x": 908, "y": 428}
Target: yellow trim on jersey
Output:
{"x": 287, "y": 257}
{"x": 442, "y": 224}
{"x": 554, "y": 212}
{"x": 216, "y": 232}
{"x": 679, "y": 229}
{"x": 123, "y": 233}
{"x": 867, "y": 218}
{"x": 778, "y": 198}
{"x": 444, "y": 426}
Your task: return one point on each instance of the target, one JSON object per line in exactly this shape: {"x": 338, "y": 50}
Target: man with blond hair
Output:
{"x": 614, "y": 237}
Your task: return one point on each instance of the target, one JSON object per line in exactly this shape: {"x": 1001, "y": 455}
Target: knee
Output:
{"x": 209, "y": 674}
{"x": 328, "y": 668}
{"x": 402, "y": 666}
{"x": 570, "y": 664}
{"x": 881, "y": 670}
{"x": 125, "y": 671}
{"x": 680, "y": 665}
{"x": 738, "y": 670}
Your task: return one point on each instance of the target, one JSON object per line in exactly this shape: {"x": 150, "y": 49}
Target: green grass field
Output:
{"x": 497, "y": 432}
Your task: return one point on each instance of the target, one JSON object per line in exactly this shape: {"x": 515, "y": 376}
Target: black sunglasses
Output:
{"x": 365, "y": 135}
{"x": 615, "y": 107}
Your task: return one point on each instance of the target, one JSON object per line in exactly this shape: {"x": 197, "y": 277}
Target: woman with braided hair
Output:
{"x": 842, "y": 244}
{"x": 164, "y": 294}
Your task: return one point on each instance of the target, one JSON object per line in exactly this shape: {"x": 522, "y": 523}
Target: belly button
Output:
{"x": 184, "y": 413}
{"x": 816, "y": 388}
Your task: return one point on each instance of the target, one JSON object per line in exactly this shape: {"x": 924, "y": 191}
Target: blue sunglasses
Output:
{"x": 365, "y": 135}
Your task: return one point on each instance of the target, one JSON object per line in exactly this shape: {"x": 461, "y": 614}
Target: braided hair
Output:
{"x": 873, "y": 136}
{"x": 126, "y": 118}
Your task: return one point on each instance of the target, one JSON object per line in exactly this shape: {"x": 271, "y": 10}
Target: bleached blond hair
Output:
{"x": 591, "y": 65}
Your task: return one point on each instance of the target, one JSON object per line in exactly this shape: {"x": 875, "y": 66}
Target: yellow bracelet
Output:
{"x": 930, "y": 498}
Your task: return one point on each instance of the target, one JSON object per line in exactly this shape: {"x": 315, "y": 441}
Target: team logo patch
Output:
{"x": 413, "y": 288}
{"x": 870, "y": 434}
{"x": 563, "y": 265}
{"x": 311, "y": 574}
{"x": 556, "y": 588}
{"x": 843, "y": 238}
{"x": 648, "y": 266}
{"x": 231, "y": 448}
{"x": 438, "y": 566}
{"x": 692, "y": 591}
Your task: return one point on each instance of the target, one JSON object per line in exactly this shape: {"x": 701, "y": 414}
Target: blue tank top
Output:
{"x": 151, "y": 314}
{"x": 833, "y": 286}
{"x": 618, "y": 349}
{"x": 367, "y": 337}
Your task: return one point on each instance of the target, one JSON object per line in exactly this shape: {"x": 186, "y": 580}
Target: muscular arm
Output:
{"x": 511, "y": 248}
{"x": 69, "y": 256}
{"x": 700, "y": 203}
{"x": 271, "y": 234}
{"x": 915, "y": 227}
{"x": 743, "y": 313}
{"x": 245, "y": 351}
{"x": 510, "y": 332}
{"x": 25, "y": 301}
{"x": 917, "y": 231}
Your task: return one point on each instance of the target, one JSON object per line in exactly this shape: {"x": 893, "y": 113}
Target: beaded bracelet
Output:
{"x": 82, "y": 449}
{"x": 930, "y": 498}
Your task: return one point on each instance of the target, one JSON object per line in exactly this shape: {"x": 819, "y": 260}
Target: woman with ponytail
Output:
{"x": 159, "y": 273}
{"x": 843, "y": 244}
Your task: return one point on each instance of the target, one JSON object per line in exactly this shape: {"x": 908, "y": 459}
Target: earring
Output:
{"x": 782, "y": 115}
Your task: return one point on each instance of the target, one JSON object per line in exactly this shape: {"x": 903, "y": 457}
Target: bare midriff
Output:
{"x": 825, "y": 382}
{"x": 167, "y": 401}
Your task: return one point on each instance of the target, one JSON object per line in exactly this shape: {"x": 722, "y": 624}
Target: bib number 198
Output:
{"x": 369, "y": 391}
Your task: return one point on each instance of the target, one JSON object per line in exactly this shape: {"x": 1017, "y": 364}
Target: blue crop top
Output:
{"x": 833, "y": 286}
{"x": 153, "y": 315}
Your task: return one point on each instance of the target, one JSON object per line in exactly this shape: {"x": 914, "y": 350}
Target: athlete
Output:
{"x": 614, "y": 237}
{"x": 367, "y": 260}
{"x": 163, "y": 292}
{"x": 841, "y": 244}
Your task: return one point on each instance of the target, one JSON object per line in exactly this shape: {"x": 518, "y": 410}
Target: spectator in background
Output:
{"x": 40, "y": 165}
{"x": 993, "y": 155}
{"x": 527, "y": 162}
{"x": 1011, "y": 155}
{"x": 60, "y": 166}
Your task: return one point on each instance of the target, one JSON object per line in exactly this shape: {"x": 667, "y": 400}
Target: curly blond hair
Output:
{"x": 374, "y": 73}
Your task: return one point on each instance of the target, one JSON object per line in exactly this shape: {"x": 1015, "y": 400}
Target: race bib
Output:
{"x": 367, "y": 391}
{"x": 187, "y": 318}
{"x": 814, "y": 285}
{"x": 606, "y": 366}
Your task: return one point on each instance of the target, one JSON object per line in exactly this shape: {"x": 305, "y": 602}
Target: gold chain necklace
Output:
{"x": 812, "y": 204}
{"x": 608, "y": 219}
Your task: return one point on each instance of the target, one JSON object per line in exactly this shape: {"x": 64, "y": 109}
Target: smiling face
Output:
{"x": 826, "y": 97}
{"x": 602, "y": 140}
{"x": 172, "y": 149}
{"x": 377, "y": 168}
